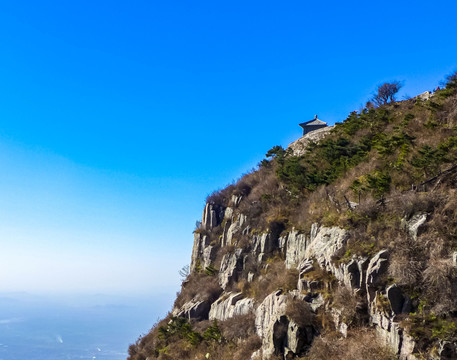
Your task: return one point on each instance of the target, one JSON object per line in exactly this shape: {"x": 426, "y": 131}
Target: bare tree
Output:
{"x": 386, "y": 93}
{"x": 184, "y": 272}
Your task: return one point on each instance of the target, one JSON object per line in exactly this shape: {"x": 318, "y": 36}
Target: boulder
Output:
{"x": 426, "y": 95}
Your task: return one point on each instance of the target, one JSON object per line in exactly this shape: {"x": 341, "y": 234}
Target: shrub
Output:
{"x": 274, "y": 277}
{"x": 300, "y": 312}
{"x": 238, "y": 327}
{"x": 200, "y": 287}
{"x": 349, "y": 305}
{"x": 360, "y": 344}
{"x": 407, "y": 262}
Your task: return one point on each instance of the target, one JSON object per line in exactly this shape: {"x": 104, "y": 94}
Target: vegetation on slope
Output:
{"x": 370, "y": 175}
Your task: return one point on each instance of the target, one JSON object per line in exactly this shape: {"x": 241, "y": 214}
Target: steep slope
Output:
{"x": 346, "y": 249}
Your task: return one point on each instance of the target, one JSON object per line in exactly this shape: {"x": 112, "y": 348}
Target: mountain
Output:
{"x": 342, "y": 246}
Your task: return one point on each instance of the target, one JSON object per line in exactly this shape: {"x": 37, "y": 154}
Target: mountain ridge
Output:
{"x": 343, "y": 245}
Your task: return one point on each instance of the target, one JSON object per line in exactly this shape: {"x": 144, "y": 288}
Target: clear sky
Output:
{"x": 117, "y": 118}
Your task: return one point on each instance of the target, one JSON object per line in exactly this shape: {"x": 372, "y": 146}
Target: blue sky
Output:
{"x": 118, "y": 118}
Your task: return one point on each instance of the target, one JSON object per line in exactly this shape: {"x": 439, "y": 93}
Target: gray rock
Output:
{"x": 256, "y": 355}
{"x": 408, "y": 347}
{"x": 447, "y": 350}
{"x": 208, "y": 256}
{"x": 426, "y": 95}
{"x": 236, "y": 200}
{"x": 209, "y": 218}
{"x": 250, "y": 276}
{"x": 232, "y": 227}
{"x": 376, "y": 270}
{"x": 194, "y": 309}
{"x": 268, "y": 311}
{"x": 299, "y": 146}
{"x": 415, "y": 224}
{"x": 280, "y": 334}
{"x": 230, "y": 305}
{"x": 325, "y": 243}
{"x": 231, "y": 265}
{"x": 294, "y": 245}
{"x": 264, "y": 243}
{"x": 200, "y": 243}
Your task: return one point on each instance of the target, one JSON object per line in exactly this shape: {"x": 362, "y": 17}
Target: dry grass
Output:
{"x": 299, "y": 311}
{"x": 361, "y": 344}
{"x": 274, "y": 277}
{"x": 199, "y": 287}
{"x": 407, "y": 262}
{"x": 238, "y": 327}
{"x": 349, "y": 304}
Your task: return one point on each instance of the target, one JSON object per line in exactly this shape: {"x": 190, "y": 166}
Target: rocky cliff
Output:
{"x": 343, "y": 246}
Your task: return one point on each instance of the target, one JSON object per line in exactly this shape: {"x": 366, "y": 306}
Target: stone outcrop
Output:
{"x": 426, "y": 95}
{"x": 415, "y": 224}
{"x": 303, "y": 251}
{"x": 231, "y": 265}
{"x": 233, "y": 226}
{"x": 281, "y": 335}
{"x": 299, "y": 146}
{"x": 212, "y": 216}
{"x": 294, "y": 245}
{"x": 194, "y": 309}
{"x": 199, "y": 252}
{"x": 230, "y": 305}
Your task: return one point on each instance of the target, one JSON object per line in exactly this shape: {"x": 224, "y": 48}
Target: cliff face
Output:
{"x": 345, "y": 248}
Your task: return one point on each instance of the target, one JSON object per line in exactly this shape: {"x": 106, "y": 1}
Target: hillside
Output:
{"x": 342, "y": 248}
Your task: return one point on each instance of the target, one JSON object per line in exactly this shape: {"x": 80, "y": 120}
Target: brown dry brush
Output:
{"x": 360, "y": 344}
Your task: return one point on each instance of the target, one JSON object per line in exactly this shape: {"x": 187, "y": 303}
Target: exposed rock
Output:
{"x": 208, "y": 256}
{"x": 376, "y": 270}
{"x": 232, "y": 227}
{"x": 229, "y": 305}
{"x": 256, "y": 355}
{"x": 294, "y": 245}
{"x": 325, "y": 243}
{"x": 209, "y": 218}
{"x": 228, "y": 214}
{"x": 299, "y": 146}
{"x": 230, "y": 266}
{"x": 264, "y": 244}
{"x": 447, "y": 350}
{"x": 426, "y": 95}
{"x": 408, "y": 347}
{"x": 200, "y": 243}
{"x": 414, "y": 224}
{"x": 454, "y": 257}
{"x": 280, "y": 334}
{"x": 267, "y": 312}
{"x": 194, "y": 309}
{"x": 236, "y": 200}
{"x": 315, "y": 301}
